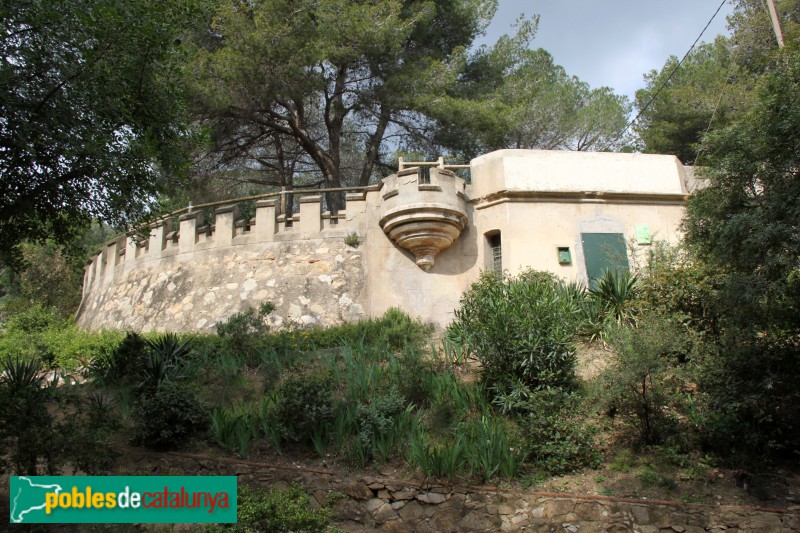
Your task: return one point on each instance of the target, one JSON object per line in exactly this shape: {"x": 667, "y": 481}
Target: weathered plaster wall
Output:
{"x": 532, "y": 230}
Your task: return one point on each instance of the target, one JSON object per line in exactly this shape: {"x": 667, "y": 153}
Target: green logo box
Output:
{"x": 122, "y": 499}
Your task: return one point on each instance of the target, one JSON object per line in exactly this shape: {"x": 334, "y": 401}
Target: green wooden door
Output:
{"x": 603, "y": 251}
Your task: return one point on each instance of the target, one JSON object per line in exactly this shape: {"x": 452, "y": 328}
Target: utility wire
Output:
{"x": 664, "y": 84}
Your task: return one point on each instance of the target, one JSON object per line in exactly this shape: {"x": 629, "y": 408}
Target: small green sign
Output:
{"x": 642, "y": 233}
{"x": 122, "y": 499}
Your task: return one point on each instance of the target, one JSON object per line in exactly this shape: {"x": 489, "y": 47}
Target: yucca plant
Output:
{"x": 616, "y": 289}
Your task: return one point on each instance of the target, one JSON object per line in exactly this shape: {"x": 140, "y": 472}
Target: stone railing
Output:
{"x": 184, "y": 231}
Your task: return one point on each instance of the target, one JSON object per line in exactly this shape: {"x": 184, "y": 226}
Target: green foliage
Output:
{"x": 401, "y": 48}
{"x": 744, "y": 222}
{"x": 520, "y": 329}
{"x": 121, "y": 365}
{"x": 380, "y": 424}
{"x": 90, "y": 103}
{"x": 745, "y": 219}
{"x": 440, "y": 461}
{"x": 512, "y": 95}
{"x": 643, "y": 382}
{"x": 26, "y": 432}
{"x": 750, "y": 399}
{"x": 277, "y": 511}
{"x": 34, "y": 441}
{"x": 616, "y": 290}
{"x": 352, "y": 240}
{"x": 248, "y": 322}
{"x": 166, "y": 360}
{"x": 235, "y": 428}
{"x": 709, "y": 90}
{"x": 49, "y": 277}
{"x": 489, "y": 448}
{"x": 378, "y": 416}
{"x": 242, "y": 336}
{"x": 304, "y": 405}
{"x": 85, "y": 433}
{"x": 40, "y": 333}
{"x": 36, "y": 319}
{"x": 396, "y": 330}
{"x": 687, "y": 289}
{"x": 167, "y": 416}
{"x": 554, "y": 430}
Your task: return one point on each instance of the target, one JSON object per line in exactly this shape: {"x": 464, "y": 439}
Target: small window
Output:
{"x": 424, "y": 175}
{"x": 496, "y": 253}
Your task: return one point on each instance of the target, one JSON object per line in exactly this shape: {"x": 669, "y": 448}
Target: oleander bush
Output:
{"x": 520, "y": 328}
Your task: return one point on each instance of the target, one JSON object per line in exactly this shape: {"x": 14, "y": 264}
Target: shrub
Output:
{"x": 556, "y": 436}
{"x": 26, "y": 426}
{"x": 121, "y": 365}
{"x": 167, "y": 416}
{"x": 85, "y": 432}
{"x": 641, "y": 383}
{"x": 49, "y": 277}
{"x": 248, "y": 322}
{"x": 520, "y": 328}
{"x": 378, "y": 423}
{"x": 352, "y": 240}
{"x": 53, "y": 341}
{"x": 303, "y": 405}
{"x": 30, "y": 437}
{"x": 407, "y": 370}
{"x": 397, "y": 330}
{"x": 690, "y": 291}
{"x": 35, "y": 320}
{"x": 749, "y": 401}
{"x": 277, "y": 511}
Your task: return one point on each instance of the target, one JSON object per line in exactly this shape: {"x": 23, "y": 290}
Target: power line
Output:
{"x": 664, "y": 84}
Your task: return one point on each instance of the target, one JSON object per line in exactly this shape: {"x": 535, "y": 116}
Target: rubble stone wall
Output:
{"x": 384, "y": 504}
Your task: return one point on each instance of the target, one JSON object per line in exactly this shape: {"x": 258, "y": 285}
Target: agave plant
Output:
{"x": 616, "y": 289}
{"x": 166, "y": 360}
{"x": 21, "y": 375}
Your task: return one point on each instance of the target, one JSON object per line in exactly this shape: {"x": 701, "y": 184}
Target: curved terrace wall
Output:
{"x": 188, "y": 276}
{"x": 171, "y": 282}
{"x": 192, "y": 276}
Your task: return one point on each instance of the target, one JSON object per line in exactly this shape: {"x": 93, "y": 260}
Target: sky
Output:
{"x": 613, "y": 43}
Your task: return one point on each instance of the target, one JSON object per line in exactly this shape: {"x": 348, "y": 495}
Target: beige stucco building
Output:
{"x": 424, "y": 236}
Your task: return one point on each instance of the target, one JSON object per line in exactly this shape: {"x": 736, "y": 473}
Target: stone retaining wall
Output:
{"x": 311, "y": 282}
{"x": 378, "y": 503}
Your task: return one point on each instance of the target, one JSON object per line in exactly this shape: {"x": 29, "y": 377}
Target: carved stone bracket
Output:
{"x": 423, "y": 218}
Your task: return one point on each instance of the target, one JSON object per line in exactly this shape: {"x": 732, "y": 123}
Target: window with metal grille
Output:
{"x": 424, "y": 175}
{"x": 496, "y": 253}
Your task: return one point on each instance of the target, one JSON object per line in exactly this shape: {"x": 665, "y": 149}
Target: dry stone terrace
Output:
{"x": 382, "y": 503}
